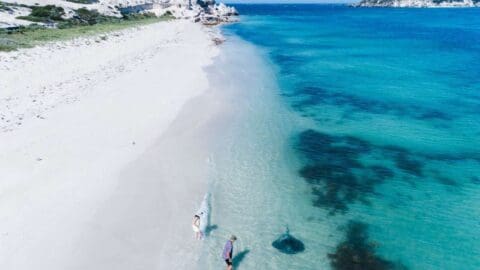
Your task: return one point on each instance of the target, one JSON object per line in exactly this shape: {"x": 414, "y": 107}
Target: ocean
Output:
{"x": 355, "y": 128}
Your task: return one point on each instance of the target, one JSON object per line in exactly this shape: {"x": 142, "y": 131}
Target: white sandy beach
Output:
{"x": 104, "y": 149}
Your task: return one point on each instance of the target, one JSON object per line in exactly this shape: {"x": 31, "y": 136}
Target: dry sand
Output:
{"x": 104, "y": 149}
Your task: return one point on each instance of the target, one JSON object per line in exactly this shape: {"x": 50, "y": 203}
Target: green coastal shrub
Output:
{"x": 7, "y": 45}
{"x": 90, "y": 17}
{"x": 84, "y": 16}
{"x": 48, "y": 11}
{"x": 45, "y": 14}
{"x": 139, "y": 16}
{"x": 84, "y": 22}
{"x": 83, "y": 1}
{"x": 4, "y": 7}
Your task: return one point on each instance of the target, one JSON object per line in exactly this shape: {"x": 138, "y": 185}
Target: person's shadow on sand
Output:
{"x": 239, "y": 257}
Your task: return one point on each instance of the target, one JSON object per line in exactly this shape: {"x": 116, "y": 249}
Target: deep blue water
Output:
{"x": 388, "y": 138}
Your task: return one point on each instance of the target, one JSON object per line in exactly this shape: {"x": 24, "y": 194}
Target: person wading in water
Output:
{"x": 196, "y": 227}
{"x": 228, "y": 252}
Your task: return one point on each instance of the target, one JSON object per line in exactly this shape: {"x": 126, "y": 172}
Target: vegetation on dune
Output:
{"x": 85, "y": 16}
{"x": 4, "y": 7}
{"x": 84, "y": 23}
{"x": 83, "y": 1}
{"x": 45, "y": 14}
{"x": 10, "y": 6}
{"x": 147, "y": 15}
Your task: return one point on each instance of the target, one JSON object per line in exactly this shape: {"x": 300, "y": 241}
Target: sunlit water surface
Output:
{"x": 356, "y": 128}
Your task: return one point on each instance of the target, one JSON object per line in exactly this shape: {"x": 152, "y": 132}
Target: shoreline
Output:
{"x": 111, "y": 144}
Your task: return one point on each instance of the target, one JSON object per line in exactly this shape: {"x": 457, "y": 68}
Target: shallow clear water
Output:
{"x": 356, "y": 128}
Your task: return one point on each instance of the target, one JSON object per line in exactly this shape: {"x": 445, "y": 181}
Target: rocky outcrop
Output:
{"x": 204, "y": 11}
{"x": 418, "y": 3}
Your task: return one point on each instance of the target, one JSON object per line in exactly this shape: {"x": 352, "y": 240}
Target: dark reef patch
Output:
{"x": 405, "y": 160}
{"x": 409, "y": 165}
{"x": 382, "y": 172}
{"x": 447, "y": 181}
{"x": 334, "y": 170}
{"x": 357, "y": 253}
{"x": 343, "y": 170}
{"x": 475, "y": 180}
{"x": 312, "y": 96}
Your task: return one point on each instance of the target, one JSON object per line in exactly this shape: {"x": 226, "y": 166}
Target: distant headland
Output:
{"x": 418, "y": 3}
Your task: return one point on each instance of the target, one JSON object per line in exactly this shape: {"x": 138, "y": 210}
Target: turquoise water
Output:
{"x": 356, "y": 128}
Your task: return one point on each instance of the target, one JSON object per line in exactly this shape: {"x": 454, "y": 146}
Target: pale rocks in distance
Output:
{"x": 204, "y": 11}
{"x": 418, "y": 3}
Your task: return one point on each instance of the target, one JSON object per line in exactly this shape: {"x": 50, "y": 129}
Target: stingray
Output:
{"x": 288, "y": 244}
